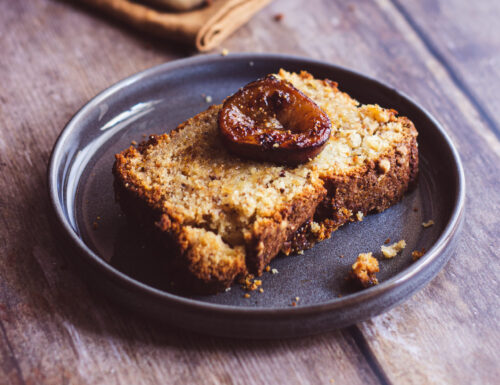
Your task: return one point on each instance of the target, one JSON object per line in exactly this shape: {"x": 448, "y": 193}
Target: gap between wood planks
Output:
{"x": 368, "y": 355}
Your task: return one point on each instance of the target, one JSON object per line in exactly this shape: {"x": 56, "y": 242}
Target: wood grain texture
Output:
{"x": 468, "y": 47}
{"x": 54, "y": 57}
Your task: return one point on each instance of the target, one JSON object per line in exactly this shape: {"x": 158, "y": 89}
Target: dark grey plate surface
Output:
{"x": 119, "y": 261}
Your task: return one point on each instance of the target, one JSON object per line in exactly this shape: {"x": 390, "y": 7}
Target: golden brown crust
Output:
{"x": 262, "y": 243}
{"x": 143, "y": 211}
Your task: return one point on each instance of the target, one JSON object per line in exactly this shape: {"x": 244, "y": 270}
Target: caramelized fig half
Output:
{"x": 271, "y": 120}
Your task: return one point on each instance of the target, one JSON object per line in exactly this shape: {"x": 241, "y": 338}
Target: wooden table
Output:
{"x": 54, "y": 57}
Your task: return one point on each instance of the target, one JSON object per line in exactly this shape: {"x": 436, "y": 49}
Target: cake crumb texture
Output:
{"x": 364, "y": 270}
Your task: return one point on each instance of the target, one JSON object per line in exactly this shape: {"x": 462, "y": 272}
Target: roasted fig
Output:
{"x": 271, "y": 120}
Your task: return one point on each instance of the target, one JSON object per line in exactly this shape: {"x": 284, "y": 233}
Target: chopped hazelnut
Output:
{"x": 384, "y": 165}
{"x": 392, "y": 250}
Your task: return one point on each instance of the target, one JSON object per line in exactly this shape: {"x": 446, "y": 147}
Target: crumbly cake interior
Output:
{"x": 218, "y": 196}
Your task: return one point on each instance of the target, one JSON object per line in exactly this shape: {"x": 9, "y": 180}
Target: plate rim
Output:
{"x": 346, "y": 301}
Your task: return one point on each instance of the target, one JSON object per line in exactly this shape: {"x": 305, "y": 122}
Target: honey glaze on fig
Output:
{"x": 271, "y": 120}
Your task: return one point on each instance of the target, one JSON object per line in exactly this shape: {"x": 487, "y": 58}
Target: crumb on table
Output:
{"x": 279, "y": 17}
{"x": 364, "y": 269}
{"x": 359, "y": 216}
{"x": 392, "y": 250}
{"x": 429, "y": 223}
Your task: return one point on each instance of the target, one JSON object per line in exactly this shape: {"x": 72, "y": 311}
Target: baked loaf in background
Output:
{"x": 219, "y": 217}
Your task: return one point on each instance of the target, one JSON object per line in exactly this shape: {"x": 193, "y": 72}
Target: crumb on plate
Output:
{"x": 392, "y": 250}
{"x": 416, "y": 254}
{"x": 364, "y": 269}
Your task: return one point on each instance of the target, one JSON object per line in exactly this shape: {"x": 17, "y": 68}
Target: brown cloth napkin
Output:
{"x": 204, "y": 28}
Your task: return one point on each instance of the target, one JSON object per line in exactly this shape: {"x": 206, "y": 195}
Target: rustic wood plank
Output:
{"x": 449, "y": 332}
{"x": 55, "y": 57}
{"x": 465, "y": 37}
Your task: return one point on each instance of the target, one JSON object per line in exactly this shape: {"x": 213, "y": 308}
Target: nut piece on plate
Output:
{"x": 429, "y": 223}
{"x": 392, "y": 250}
{"x": 271, "y": 120}
{"x": 364, "y": 269}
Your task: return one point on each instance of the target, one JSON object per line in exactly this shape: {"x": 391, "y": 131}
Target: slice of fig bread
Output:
{"x": 220, "y": 217}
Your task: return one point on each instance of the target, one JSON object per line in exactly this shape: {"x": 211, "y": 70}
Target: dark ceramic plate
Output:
{"x": 118, "y": 260}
